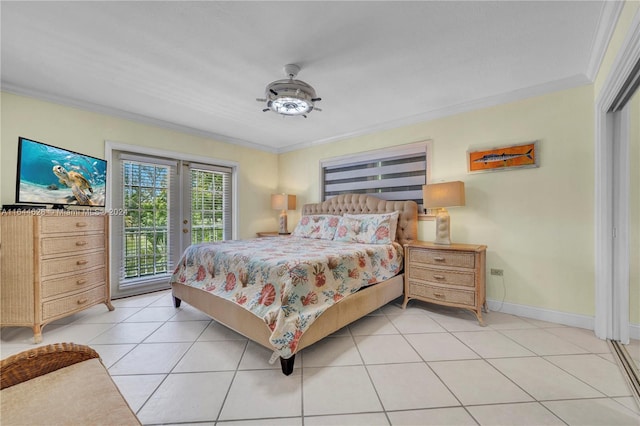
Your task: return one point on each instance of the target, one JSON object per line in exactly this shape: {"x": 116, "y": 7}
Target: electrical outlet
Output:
{"x": 497, "y": 272}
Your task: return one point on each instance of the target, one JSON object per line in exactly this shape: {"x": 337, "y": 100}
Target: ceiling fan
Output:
{"x": 290, "y": 97}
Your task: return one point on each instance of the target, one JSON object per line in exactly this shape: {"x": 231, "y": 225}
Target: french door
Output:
{"x": 159, "y": 207}
{"x": 206, "y": 192}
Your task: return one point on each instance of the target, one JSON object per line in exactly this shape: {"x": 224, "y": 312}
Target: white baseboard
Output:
{"x": 634, "y": 331}
{"x": 573, "y": 320}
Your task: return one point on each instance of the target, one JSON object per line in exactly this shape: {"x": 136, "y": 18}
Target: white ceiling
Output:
{"x": 199, "y": 66}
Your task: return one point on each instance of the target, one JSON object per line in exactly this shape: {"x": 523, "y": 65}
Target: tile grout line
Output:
{"x": 502, "y": 332}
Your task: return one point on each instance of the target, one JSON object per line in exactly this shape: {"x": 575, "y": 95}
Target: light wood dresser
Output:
{"x": 452, "y": 275}
{"x": 53, "y": 264}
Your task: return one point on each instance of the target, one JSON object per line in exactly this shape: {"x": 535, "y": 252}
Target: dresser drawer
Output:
{"x": 76, "y": 263}
{"x": 443, "y": 276}
{"x": 70, "y": 244}
{"x": 68, "y": 224}
{"x": 442, "y": 294}
{"x": 82, "y": 281}
{"x": 68, "y": 304}
{"x": 442, "y": 257}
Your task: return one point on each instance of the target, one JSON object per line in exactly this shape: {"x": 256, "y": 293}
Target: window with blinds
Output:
{"x": 395, "y": 173}
{"x": 210, "y": 203}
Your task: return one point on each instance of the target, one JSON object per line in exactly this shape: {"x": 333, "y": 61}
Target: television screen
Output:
{"x": 51, "y": 175}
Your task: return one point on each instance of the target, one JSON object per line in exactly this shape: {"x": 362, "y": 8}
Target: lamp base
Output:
{"x": 443, "y": 232}
{"x": 282, "y": 223}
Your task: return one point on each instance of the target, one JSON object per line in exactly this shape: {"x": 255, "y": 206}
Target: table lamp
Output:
{"x": 440, "y": 196}
{"x": 283, "y": 202}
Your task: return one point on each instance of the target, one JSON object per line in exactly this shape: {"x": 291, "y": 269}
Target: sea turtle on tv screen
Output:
{"x": 76, "y": 182}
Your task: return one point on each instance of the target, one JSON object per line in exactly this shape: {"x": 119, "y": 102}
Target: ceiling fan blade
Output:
{"x": 261, "y": 100}
{"x": 316, "y": 99}
{"x": 304, "y": 115}
{"x": 316, "y": 109}
{"x": 274, "y": 92}
{"x": 266, "y": 109}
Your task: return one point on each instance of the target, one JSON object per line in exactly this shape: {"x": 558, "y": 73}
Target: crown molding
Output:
{"x": 624, "y": 62}
{"x": 606, "y": 26}
{"x": 491, "y": 101}
{"x": 91, "y": 107}
{"x": 513, "y": 96}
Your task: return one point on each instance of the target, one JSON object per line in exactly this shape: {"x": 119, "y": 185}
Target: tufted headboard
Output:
{"x": 364, "y": 204}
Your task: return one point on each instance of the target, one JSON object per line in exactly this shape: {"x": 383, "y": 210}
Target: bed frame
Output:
{"x": 337, "y": 316}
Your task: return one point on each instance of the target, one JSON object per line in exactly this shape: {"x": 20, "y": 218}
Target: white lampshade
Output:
{"x": 440, "y": 196}
{"x": 446, "y": 194}
{"x": 283, "y": 202}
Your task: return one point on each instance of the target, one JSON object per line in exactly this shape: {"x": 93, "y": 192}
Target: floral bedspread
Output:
{"x": 288, "y": 282}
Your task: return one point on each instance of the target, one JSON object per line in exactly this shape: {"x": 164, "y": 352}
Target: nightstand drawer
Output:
{"x": 442, "y": 276}
{"x": 442, "y": 294}
{"x": 442, "y": 257}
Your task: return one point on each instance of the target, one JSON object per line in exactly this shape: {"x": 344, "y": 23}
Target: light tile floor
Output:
{"x": 426, "y": 365}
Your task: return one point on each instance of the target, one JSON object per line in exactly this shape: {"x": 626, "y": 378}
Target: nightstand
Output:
{"x": 272, "y": 234}
{"x": 451, "y": 275}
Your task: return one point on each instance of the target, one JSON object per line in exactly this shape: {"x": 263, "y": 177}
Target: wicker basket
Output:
{"x": 32, "y": 363}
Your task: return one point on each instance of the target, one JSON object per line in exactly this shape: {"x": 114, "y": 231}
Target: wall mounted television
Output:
{"x": 48, "y": 175}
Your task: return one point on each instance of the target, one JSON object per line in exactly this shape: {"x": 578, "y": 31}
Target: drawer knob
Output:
{"x": 81, "y": 243}
{"x": 81, "y": 224}
{"x": 82, "y": 262}
{"x": 439, "y": 277}
{"x": 82, "y": 301}
{"x": 439, "y": 295}
{"x": 439, "y": 259}
{"x": 81, "y": 281}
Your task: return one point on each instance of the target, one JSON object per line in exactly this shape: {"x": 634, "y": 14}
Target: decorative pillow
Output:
{"x": 368, "y": 228}
{"x": 379, "y": 219}
{"x": 317, "y": 226}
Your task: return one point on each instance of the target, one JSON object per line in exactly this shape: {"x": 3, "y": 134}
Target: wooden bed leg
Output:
{"x": 287, "y": 365}
{"x": 176, "y": 302}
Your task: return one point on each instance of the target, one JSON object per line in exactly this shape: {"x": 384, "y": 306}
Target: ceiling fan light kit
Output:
{"x": 290, "y": 97}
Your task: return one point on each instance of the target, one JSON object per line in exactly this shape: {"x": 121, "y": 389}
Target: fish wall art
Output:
{"x": 503, "y": 158}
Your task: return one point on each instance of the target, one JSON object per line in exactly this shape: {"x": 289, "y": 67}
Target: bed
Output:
{"x": 296, "y": 302}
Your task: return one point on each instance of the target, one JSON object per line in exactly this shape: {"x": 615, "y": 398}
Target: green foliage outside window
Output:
{"x": 146, "y": 244}
{"x": 146, "y": 223}
{"x": 206, "y": 206}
